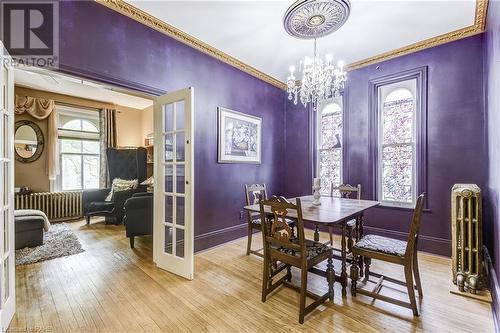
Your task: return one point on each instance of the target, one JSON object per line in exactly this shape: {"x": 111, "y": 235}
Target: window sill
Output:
{"x": 386, "y": 206}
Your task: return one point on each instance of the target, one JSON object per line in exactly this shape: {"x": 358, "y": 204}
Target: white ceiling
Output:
{"x": 252, "y": 31}
{"x": 62, "y": 84}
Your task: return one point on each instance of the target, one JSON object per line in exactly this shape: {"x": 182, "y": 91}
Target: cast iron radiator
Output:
{"x": 56, "y": 205}
{"x": 467, "y": 237}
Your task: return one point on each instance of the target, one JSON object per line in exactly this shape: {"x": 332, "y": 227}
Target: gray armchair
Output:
{"x": 138, "y": 217}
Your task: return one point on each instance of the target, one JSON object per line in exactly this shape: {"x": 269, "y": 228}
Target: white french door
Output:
{"x": 7, "y": 254}
{"x": 173, "y": 234}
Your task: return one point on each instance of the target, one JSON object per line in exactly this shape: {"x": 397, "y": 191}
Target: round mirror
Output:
{"x": 28, "y": 141}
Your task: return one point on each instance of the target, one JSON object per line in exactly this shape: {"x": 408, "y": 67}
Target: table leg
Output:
{"x": 316, "y": 233}
{"x": 360, "y": 234}
{"x": 343, "y": 274}
{"x": 360, "y": 226}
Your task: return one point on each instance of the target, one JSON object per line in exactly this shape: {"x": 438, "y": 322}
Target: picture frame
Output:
{"x": 239, "y": 137}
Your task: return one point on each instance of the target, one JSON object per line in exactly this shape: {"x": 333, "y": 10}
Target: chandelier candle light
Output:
{"x": 321, "y": 79}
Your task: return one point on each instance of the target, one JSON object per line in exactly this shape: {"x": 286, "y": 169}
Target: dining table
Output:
{"x": 331, "y": 211}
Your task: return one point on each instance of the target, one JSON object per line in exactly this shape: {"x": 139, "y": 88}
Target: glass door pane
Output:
{"x": 174, "y": 141}
{"x": 7, "y": 265}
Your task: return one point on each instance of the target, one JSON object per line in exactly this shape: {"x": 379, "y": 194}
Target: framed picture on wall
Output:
{"x": 239, "y": 137}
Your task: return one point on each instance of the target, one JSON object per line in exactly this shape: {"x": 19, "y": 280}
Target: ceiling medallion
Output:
{"x": 308, "y": 19}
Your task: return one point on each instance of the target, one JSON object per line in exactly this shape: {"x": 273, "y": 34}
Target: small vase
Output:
{"x": 316, "y": 195}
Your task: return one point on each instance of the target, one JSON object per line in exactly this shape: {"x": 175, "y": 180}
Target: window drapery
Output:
{"x": 107, "y": 123}
{"x": 52, "y": 164}
{"x": 39, "y": 108}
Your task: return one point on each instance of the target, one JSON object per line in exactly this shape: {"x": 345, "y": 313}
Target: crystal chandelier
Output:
{"x": 321, "y": 78}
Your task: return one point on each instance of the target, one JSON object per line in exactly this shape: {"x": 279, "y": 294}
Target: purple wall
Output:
{"x": 456, "y": 137}
{"x": 299, "y": 153}
{"x": 124, "y": 52}
{"x": 492, "y": 101}
{"x": 102, "y": 44}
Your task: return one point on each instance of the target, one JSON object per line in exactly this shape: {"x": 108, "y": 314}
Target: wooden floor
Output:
{"x": 111, "y": 288}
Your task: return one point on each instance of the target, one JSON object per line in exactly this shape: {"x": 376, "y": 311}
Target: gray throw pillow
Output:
{"x": 121, "y": 185}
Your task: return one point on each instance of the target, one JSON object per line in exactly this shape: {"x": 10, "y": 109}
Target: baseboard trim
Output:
{"x": 218, "y": 237}
{"x": 494, "y": 288}
{"x": 435, "y": 245}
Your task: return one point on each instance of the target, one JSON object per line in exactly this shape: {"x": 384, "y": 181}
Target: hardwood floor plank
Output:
{"x": 112, "y": 288}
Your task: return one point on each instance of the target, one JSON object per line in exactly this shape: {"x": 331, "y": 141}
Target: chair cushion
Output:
{"x": 382, "y": 244}
{"x": 258, "y": 221}
{"x": 313, "y": 248}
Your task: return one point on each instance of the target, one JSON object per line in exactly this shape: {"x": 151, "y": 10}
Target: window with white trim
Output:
{"x": 79, "y": 149}
{"x": 329, "y": 144}
{"x": 397, "y": 158}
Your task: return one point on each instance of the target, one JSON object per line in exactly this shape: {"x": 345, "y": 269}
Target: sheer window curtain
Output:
{"x": 107, "y": 124}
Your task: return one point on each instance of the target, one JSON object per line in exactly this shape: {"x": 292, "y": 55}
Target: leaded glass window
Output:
{"x": 329, "y": 141}
{"x": 397, "y": 144}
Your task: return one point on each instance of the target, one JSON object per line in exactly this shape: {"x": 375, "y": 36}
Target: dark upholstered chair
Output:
{"x": 394, "y": 251}
{"x": 290, "y": 250}
{"x": 253, "y": 193}
{"x": 122, "y": 163}
{"x": 138, "y": 217}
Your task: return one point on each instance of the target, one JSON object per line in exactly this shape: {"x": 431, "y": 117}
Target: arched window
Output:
{"x": 79, "y": 149}
{"x": 398, "y": 94}
{"x": 397, "y": 144}
{"x": 329, "y": 144}
{"x": 84, "y": 125}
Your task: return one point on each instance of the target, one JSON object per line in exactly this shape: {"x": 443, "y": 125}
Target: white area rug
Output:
{"x": 59, "y": 241}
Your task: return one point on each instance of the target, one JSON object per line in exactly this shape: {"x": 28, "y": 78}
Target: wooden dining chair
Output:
{"x": 393, "y": 251}
{"x": 253, "y": 192}
{"x": 282, "y": 246}
{"x": 347, "y": 191}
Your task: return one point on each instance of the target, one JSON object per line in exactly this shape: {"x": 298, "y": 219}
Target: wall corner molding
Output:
{"x": 141, "y": 16}
{"x": 477, "y": 28}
